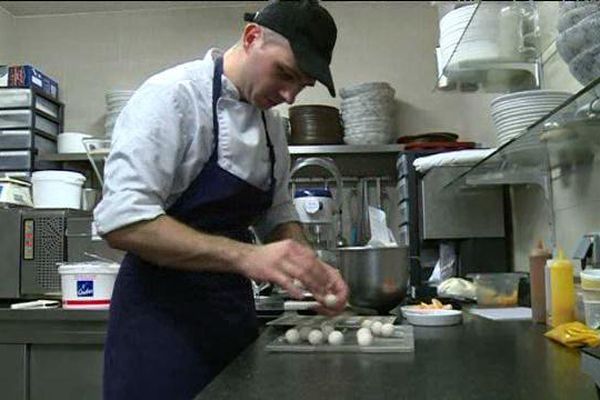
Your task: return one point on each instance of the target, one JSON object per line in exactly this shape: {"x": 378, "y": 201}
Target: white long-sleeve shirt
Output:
{"x": 164, "y": 136}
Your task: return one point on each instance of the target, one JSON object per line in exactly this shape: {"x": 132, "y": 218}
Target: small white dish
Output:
{"x": 428, "y": 317}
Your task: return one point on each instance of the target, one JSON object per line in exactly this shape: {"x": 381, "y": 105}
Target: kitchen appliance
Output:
{"x": 434, "y": 215}
{"x": 35, "y": 240}
{"x": 317, "y": 208}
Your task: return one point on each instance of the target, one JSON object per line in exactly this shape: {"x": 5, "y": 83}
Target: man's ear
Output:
{"x": 251, "y": 36}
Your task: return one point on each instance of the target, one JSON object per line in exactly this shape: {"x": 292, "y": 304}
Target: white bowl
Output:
{"x": 70, "y": 142}
{"x": 424, "y": 317}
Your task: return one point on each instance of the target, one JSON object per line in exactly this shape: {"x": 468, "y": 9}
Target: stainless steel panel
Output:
{"x": 452, "y": 213}
{"x": 13, "y": 371}
{"x": 402, "y": 166}
{"x": 403, "y": 210}
{"x": 10, "y": 247}
{"x": 402, "y": 187}
{"x": 66, "y": 371}
{"x": 403, "y": 236}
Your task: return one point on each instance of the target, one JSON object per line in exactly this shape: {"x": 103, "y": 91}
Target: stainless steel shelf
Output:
{"x": 294, "y": 150}
{"x": 67, "y": 157}
{"x": 344, "y": 149}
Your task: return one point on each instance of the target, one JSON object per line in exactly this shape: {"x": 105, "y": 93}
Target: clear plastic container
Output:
{"x": 12, "y": 98}
{"x": 590, "y": 279}
{"x": 592, "y": 313}
{"x": 27, "y": 119}
{"x": 497, "y": 289}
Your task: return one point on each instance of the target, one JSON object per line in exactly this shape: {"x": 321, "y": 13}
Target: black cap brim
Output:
{"x": 313, "y": 65}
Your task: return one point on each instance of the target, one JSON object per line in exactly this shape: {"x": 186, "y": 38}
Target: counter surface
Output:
{"x": 479, "y": 359}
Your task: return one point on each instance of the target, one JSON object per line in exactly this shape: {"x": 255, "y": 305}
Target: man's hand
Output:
{"x": 285, "y": 261}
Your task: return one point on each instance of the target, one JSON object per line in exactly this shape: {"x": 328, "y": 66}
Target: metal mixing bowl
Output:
{"x": 377, "y": 277}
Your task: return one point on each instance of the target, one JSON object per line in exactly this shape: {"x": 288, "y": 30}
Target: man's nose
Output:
{"x": 289, "y": 94}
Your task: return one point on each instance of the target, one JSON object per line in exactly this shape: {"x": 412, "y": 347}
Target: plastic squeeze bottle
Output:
{"x": 537, "y": 261}
{"x": 563, "y": 290}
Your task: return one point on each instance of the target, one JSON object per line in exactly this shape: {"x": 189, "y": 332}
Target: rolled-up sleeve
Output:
{"x": 149, "y": 142}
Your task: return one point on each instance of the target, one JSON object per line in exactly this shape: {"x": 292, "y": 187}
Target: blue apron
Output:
{"x": 170, "y": 332}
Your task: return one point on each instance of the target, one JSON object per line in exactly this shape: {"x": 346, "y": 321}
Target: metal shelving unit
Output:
{"x": 511, "y": 61}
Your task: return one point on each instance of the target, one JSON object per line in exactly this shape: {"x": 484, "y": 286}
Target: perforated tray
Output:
{"x": 401, "y": 341}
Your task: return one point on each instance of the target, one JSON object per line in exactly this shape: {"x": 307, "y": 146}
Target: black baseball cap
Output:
{"x": 309, "y": 29}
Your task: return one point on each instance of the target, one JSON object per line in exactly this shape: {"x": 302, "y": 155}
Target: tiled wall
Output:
{"x": 94, "y": 52}
{"x": 6, "y": 36}
{"x": 576, "y": 192}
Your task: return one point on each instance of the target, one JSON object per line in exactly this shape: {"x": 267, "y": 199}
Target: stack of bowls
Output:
{"x": 480, "y": 41}
{"x": 115, "y": 102}
{"x": 513, "y": 113}
{"x": 315, "y": 124}
{"x": 368, "y": 113}
{"x": 578, "y": 40}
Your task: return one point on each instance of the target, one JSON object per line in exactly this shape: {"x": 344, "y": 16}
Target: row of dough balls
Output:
{"x": 314, "y": 336}
{"x": 334, "y": 337}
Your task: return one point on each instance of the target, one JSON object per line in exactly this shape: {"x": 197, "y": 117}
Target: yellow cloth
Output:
{"x": 574, "y": 334}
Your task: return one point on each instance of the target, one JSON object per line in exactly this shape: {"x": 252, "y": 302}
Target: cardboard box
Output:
{"x": 29, "y": 77}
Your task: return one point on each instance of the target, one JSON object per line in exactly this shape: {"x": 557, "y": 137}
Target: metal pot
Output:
{"x": 377, "y": 277}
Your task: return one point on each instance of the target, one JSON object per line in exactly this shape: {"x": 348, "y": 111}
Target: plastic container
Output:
{"x": 590, "y": 279}
{"x": 592, "y": 313}
{"x": 87, "y": 285}
{"x": 57, "y": 189}
{"x": 71, "y": 142}
{"x": 497, "y": 289}
{"x": 563, "y": 290}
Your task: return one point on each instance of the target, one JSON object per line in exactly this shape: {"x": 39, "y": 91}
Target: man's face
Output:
{"x": 272, "y": 76}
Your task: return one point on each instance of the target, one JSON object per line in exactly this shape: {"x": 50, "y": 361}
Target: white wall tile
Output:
{"x": 7, "y": 28}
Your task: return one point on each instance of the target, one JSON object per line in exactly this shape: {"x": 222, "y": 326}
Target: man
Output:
{"x": 195, "y": 161}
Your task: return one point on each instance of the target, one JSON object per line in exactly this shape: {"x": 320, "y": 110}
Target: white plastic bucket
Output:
{"x": 87, "y": 285}
{"x": 57, "y": 189}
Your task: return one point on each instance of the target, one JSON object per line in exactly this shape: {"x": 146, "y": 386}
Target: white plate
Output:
{"x": 420, "y": 317}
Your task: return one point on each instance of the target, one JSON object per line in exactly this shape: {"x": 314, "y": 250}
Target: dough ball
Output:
{"x": 364, "y": 338}
{"x": 376, "y": 328}
{"x": 363, "y": 331}
{"x": 292, "y": 336}
{"x": 366, "y": 323}
{"x": 387, "y": 330}
{"x": 315, "y": 337}
{"x": 330, "y": 300}
{"x": 335, "y": 338}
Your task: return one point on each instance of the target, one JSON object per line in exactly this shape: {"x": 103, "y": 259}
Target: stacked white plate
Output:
{"x": 513, "y": 113}
{"x": 480, "y": 41}
{"x": 368, "y": 113}
{"x": 115, "y": 102}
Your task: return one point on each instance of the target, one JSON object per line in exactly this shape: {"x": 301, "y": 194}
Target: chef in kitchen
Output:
{"x": 196, "y": 160}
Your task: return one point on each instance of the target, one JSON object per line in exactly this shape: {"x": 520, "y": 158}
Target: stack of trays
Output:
{"x": 368, "y": 113}
{"x": 30, "y": 122}
{"x": 115, "y": 102}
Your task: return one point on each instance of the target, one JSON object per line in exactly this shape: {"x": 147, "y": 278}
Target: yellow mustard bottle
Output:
{"x": 563, "y": 290}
